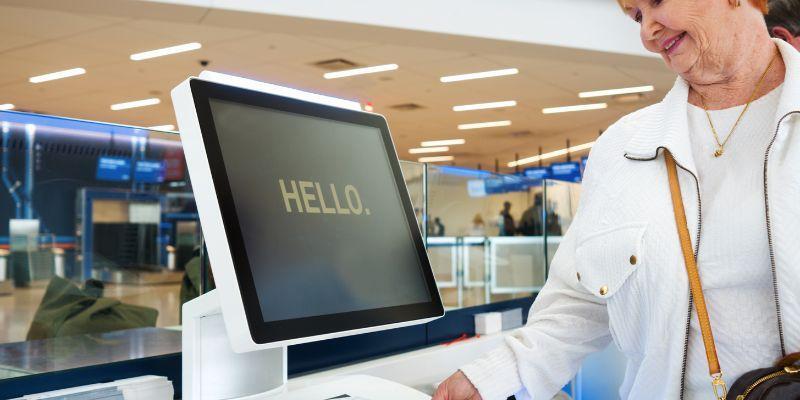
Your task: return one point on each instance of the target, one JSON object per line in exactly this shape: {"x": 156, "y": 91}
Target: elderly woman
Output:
{"x": 732, "y": 125}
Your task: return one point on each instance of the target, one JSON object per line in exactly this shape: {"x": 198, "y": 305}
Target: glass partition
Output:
{"x": 97, "y": 228}
{"x": 491, "y": 236}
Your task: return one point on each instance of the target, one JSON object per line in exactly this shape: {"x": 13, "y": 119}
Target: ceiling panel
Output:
{"x": 178, "y": 33}
{"x": 102, "y": 45}
{"x": 48, "y": 24}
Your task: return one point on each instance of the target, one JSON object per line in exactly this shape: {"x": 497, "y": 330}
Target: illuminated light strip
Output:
{"x": 252, "y": 84}
{"x": 7, "y": 106}
{"x": 166, "y": 51}
{"x": 360, "y": 71}
{"x": 435, "y": 159}
{"x": 479, "y": 75}
{"x": 448, "y": 142}
{"x": 135, "y": 104}
{"x": 429, "y": 150}
{"x": 162, "y": 127}
{"x": 581, "y": 107}
{"x": 485, "y": 106}
{"x": 557, "y": 153}
{"x": 480, "y": 125}
{"x": 614, "y": 92}
{"x": 57, "y": 75}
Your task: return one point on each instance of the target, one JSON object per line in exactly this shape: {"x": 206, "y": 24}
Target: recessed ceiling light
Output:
{"x": 162, "y": 127}
{"x": 614, "y": 92}
{"x": 479, "y": 75}
{"x": 360, "y": 71}
{"x": 480, "y": 125}
{"x": 448, "y": 142}
{"x": 166, "y": 51}
{"x": 581, "y": 107}
{"x": 135, "y": 104}
{"x": 435, "y": 159}
{"x": 557, "y": 153}
{"x": 7, "y": 106}
{"x": 485, "y": 106}
{"x": 57, "y": 75}
{"x": 429, "y": 150}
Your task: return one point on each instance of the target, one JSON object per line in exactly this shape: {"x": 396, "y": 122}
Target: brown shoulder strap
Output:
{"x": 694, "y": 277}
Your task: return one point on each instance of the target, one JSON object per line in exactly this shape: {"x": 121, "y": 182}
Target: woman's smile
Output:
{"x": 671, "y": 44}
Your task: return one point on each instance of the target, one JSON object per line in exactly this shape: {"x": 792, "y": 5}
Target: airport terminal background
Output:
{"x": 100, "y": 243}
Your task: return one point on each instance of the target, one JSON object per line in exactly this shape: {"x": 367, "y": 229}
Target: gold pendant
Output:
{"x": 719, "y": 152}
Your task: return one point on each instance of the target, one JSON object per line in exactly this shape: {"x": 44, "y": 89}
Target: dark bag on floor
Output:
{"x": 68, "y": 310}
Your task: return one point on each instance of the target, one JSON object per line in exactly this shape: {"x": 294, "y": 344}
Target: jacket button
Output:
{"x": 579, "y": 276}
{"x": 633, "y": 260}
{"x": 603, "y": 290}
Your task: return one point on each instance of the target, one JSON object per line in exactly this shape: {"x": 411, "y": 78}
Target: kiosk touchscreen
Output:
{"x": 309, "y": 228}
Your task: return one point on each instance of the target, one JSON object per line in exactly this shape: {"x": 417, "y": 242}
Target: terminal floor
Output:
{"x": 18, "y": 308}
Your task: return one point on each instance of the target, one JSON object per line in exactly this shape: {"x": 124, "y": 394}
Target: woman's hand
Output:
{"x": 456, "y": 387}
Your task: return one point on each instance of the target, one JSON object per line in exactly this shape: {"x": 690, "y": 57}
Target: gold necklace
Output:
{"x": 721, "y": 145}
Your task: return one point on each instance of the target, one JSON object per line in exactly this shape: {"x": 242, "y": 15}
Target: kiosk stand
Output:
{"x": 212, "y": 370}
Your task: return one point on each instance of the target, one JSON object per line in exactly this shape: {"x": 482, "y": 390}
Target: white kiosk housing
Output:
{"x": 310, "y": 232}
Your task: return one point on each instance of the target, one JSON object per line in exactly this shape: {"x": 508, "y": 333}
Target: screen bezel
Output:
{"x": 274, "y": 331}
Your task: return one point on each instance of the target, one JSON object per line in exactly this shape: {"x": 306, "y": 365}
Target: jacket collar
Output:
{"x": 669, "y": 126}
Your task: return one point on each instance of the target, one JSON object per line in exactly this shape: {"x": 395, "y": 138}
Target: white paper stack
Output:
{"x": 488, "y": 323}
{"x": 147, "y": 387}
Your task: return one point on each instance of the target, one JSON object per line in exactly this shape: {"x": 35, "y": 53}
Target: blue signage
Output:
{"x": 113, "y": 169}
{"x": 149, "y": 171}
{"x": 537, "y": 173}
{"x": 566, "y": 171}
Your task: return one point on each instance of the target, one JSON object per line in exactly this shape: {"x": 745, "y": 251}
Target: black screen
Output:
{"x": 320, "y": 214}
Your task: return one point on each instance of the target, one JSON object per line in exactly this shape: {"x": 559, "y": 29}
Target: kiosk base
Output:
{"x": 212, "y": 370}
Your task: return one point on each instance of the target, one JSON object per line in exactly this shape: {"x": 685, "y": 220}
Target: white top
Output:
{"x": 733, "y": 239}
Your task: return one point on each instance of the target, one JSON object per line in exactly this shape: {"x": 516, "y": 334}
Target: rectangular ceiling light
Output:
{"x": 557, "y": 153}
{"x": 162, "y": 127}
{"x": 57, "y": 75}
{"x": 485, "y": 106}
{"x": 581, "y": 107}
{"x": 135, "y": 104}
{"x": 360, "y": 71}
{"x": 479, "y": 75}
{"x": 480, "y": 125}
{"x": 435, "y": 159}
{"x": 7, "y": 106}
{"x": 421, "y": 150}
{"x": 614, "y": 92}
{"x": 448, "y": 142}
{"x": 166, "y": 51}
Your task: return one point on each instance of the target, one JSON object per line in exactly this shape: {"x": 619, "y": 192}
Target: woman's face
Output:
{"x": 694, "y": 37}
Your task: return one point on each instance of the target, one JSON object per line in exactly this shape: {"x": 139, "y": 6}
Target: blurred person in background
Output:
{"x": 506, "y": 221}
{"x": 783, "y": 21}
{"x": 478, "y": 226}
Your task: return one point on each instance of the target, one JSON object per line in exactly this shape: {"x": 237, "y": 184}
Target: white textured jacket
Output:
{"x": 597, "y": 292}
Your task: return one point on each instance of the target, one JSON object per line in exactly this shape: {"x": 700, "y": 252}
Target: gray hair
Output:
{"x": 785, "y": 13}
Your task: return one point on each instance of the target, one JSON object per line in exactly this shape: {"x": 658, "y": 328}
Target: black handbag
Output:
{"x": 781, "y": 382}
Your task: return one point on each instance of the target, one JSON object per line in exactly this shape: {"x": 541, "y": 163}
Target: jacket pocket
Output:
{"x": 605, "y": 259}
